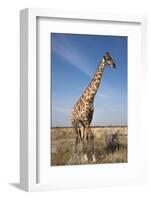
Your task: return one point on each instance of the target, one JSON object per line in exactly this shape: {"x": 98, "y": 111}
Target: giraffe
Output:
{"x": 82, "y": 112}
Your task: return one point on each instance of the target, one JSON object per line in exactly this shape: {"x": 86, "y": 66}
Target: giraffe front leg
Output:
{"x": 82, "y": 133}
{"x": 82, "y": 129}
{"x": 89, "y": 134}
{"x": 75, "y": 130}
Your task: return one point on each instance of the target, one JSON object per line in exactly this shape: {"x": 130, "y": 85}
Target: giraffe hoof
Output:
{"x": 93, "y": 159}
{"x": 85, "y": 158}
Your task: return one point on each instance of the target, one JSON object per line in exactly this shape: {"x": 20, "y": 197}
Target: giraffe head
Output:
{"x": 108, "y": 61}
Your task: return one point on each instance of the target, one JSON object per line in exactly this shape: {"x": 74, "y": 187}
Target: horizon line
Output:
{"x": 91, "y": 126}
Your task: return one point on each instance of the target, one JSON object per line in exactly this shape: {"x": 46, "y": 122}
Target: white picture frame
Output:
{"x": 29, "y": 148}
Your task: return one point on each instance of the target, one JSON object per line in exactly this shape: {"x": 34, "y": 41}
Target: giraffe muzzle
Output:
{"x": 114, "y": 65}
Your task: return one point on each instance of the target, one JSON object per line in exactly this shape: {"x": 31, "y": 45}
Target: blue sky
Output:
{"x": 74, "y": 61}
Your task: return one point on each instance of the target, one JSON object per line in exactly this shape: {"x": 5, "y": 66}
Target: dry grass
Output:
{"x": 65, "y": 152}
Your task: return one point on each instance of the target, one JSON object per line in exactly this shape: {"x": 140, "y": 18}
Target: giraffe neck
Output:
{"x": 94, "y": 84}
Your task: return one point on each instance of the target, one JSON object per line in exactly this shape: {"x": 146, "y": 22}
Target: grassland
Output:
{"x": 102, "y": 149}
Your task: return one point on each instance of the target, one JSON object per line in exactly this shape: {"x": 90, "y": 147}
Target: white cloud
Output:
{"x": 61, "y": 110}
{"x": 69, "y": 53}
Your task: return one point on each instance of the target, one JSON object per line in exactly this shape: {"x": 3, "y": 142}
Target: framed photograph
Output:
{"x": 81, "y": 84}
